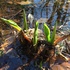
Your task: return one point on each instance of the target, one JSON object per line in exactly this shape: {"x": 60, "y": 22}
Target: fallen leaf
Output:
{"x": 24, "y": 2}
{"x": 60, "y": 39}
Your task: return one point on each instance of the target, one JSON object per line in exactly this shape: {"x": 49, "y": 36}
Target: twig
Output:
{"x": 16, "y": 13}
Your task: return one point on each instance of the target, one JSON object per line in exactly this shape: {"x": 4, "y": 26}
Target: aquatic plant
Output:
{"x": 49, "y": 38}
{"x": 47, "y": 32}
{"x": 24, "y": 21}
{"x": 12, "y": 23}
{"x": 53, "y": 34}
{"x": 35, "y": 39}
{"x": 18, "y": 28}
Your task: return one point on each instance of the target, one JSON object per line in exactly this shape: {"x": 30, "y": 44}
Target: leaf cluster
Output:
{"x": 49, "y": 38}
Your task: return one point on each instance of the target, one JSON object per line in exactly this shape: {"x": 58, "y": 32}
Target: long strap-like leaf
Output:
{"x": 47, "y": 32}
{"x": 35, "y": 34}
{"x": 11, "y": 23}
{"x": 25, "y": 21}
{"x": 53, "y": 34}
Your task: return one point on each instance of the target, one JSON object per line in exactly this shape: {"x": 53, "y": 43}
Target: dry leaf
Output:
{"x": 60, "y": 39}
{"x": 24, "y": 2}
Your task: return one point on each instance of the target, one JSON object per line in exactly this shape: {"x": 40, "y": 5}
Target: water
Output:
{"x": 42, "y": 12}
{"x": 46, "y": 12}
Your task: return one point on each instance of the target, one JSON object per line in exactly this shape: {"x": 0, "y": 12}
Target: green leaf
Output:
{"x": 47, "y": 32}
{"x": 11, "y": 23}
{"x": 35, "y": 34}
{"x": 25, "y": 21}
{"x": 53, "y": 34}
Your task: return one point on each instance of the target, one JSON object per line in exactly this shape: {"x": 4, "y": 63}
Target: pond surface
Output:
{"x": 45, "y": 12}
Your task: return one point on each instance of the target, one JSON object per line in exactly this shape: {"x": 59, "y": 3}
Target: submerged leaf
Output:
{"x": 12, "y": 23}
{"x": 47, "y": 32}
{"x": 53, "y": 34}
{"x": 35, "y": 34}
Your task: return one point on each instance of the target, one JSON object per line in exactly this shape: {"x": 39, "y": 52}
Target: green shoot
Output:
{"x": 11, "y": 23}
{"x": 25, "y": 21}
{"x": 47, "y": 32}
{"x": 35, "y": 34}
{"x": 53, "y": 34}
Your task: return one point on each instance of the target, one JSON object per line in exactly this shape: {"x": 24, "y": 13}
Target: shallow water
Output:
{"x": 45, "y": 12}
{"x": 42, "y": 12}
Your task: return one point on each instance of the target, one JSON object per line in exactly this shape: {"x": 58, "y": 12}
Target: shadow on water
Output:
{"x": 10, "y": 60}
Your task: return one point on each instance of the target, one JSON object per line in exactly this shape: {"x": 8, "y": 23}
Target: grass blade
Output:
{"x": 25, "y": 21}
{"x": 47, "y": 32}
{"x": 11, "y": 23}
{"x": 53, "y": 34}
{"x": 35, "y": 34}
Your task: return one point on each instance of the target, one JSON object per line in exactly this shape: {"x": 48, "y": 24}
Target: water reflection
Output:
{"x": 42, "y": 11}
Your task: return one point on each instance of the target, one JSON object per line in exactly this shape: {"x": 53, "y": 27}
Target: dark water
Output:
{"x": 46, "y": 12}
